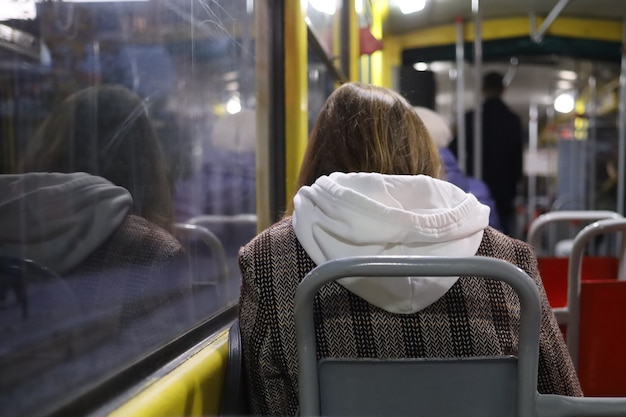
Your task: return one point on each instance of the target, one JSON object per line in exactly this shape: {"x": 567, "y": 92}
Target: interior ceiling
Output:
{"x": 438, "y": 12}
{"x": 536, "y": 79}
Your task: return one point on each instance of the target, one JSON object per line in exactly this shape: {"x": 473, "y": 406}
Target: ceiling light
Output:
{"x": 568, "y": 75}
{"x": 233, "y": 105}
{"x": 421, "y": 66}
{"x": 411, "y": 6}
{"x": 564, "y": 103}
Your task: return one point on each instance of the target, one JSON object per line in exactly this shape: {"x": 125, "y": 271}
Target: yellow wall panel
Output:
{"x": 192, "y": 389}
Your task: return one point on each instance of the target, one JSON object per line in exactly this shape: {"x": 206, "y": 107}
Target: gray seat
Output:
{"x": 487, "y": 386}
{"x": 551, "y": 218}
{"x": 189, "y": 233}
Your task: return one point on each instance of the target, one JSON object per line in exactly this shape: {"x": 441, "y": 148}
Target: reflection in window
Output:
{"x": 323, "y": 17}
{"x": 119, "y": 122}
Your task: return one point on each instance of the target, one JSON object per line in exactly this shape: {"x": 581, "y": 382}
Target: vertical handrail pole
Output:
{"x": 478, "y": 81}
{"x": 460, "y": 94}
{"x": 592, "y": 138}
{"x": 533, "y": 135}
{"x": 621, "y": 126}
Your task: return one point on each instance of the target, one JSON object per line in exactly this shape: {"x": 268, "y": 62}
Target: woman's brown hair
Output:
{"x": 364, "y": 128}
{"x": 106, "y": 131}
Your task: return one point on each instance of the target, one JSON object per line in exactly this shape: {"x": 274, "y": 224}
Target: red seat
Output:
{"x": 602, "y": 342}
{"x": 602, "y": 348}
{"x": 554, "y": 274}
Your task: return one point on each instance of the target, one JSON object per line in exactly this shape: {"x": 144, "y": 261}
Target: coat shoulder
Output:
{"x": 498, "y": 245}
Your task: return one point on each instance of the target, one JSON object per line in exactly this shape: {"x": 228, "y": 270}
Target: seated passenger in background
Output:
{"x": 369, "y": 186}
{"x": 442, "y": 136}
{"x": 106, "y": 131}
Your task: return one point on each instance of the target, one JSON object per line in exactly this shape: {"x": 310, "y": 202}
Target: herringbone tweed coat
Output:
{"x": 477, "y": 317}
{"x": 140, "y": 268}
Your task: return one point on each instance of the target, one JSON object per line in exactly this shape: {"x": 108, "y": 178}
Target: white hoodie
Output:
{"x": 57, "y": 220}
{"x": 359, "y": 214}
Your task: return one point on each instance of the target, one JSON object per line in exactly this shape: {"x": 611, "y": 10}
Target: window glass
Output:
{"x": 323, "y": 16}
{"x": 320, "y": 85}
{"x": 127, "y": 143}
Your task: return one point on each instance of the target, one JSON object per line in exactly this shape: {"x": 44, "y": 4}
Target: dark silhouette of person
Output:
{"x": 502, "y": 151}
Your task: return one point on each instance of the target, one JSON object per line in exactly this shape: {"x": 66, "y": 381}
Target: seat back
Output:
{"x": 596, "y": 320}
{"x": 554, "y": 270}
{"x": 405, "y": 387}
{"x": 480, "y": 386}
{"x": 191, "y": 235}
{"x": 541, "y": 222}
{"x": 554, "y": 274}
{"x": 233, "y": 231}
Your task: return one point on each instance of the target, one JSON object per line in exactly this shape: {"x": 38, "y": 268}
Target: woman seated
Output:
{"x": 369, "y": 185}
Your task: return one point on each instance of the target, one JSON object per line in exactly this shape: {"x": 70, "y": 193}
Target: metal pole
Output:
{"x": 460, "y": 95}
{"x": 537, "y": 35}
{"x": 621, "y": 126}
{"x": 478, "y": 81}
{"x": 533, "y": 135}
{"x": 592, "y": 137}
{"x": 344, "y": 37}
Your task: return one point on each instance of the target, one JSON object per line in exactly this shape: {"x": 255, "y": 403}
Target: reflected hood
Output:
{"x": 57, "y": 220}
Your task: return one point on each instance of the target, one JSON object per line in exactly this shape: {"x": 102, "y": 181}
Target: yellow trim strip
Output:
{"x": 596, "y": 29}
{"x": 296, "y": 93}
{"x": 192, "y": 389}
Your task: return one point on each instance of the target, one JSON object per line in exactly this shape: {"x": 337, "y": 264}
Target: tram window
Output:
{"x": 320, "y": 85}
{"x": 322, "y": 16}
{"x": 131, "y": 91}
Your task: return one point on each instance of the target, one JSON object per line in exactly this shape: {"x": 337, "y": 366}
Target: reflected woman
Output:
{"x": 106, "y": 131}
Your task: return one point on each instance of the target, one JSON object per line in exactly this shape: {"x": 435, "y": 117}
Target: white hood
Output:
{"x": 57, "y": 220}
{"x": 359, "y": 214}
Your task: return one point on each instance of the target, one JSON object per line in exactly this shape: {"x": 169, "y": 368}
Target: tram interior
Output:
{"x": 557, "y": 143}
{"x": 193, "y": 64}
{"x": 570, "y": 152}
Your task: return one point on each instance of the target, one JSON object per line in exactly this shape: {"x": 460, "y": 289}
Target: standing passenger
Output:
{"x": 369, "y": 186}
{"x": 502, "y": 150}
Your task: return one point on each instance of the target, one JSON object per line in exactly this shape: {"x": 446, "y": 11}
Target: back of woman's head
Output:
{"x": 106, "y": 131}
{"x": 363, "y": 128}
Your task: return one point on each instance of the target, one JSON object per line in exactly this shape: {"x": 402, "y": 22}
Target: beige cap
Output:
{"x": 436, "y": 125}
